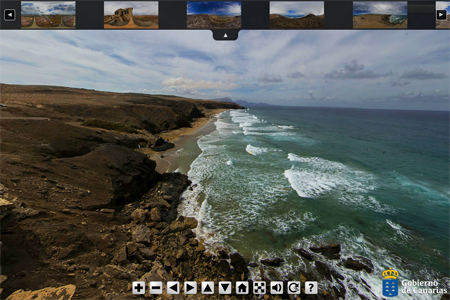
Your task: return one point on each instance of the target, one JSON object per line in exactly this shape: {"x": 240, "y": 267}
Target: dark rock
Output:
{"x": 188, "y": 233}
{"x": 193, "y": 242}
{"x": 273, "y": 262}
{"x": 139, "y": 215}
{"x": 190, "y": 223}
{"x": 162, "y": 145}
{"x": 340, "y": 293}
{"x": 224, "y": 268}
{"x": 131, "y": 249}
{"x": 184, "y": 240}
{"x": 359, "y": 265}
{"x": 121, "y": 255}
{"x": 336, "y": 275}
{"x": 445, "y": 297}
{"x": 223, "y": 254}
{"x": 155, "y": 214}
{"x": 147, "y": 253}
{"x": 323, "y": 269}
{"x": 238, "y": 262}
{"x": 305, "y": 254}
{"x": 181, "y": 254}
{"x": 142, "y": 234}
{"x": 329, "y": 251}
{"x": 176, "y": 226}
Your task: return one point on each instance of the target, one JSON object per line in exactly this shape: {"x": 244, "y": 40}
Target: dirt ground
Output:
{"x": 376, "y": 21}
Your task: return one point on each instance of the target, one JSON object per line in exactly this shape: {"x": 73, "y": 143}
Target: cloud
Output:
{"x": 421, "y": 74}
{"x": 354, "y": 70}
{"x": 48, "y": 8}
{"x": 269, "y": 78}
{"x": 443, "y": 5}
{"x": 396, "y": 83}
{"x": 192, "y": 64}
{"x": 420, "y": 97}
{"x": 295, "y": 75}
{"x": 202, "y": 84}
{"x": 389, "y": 8}
{"x": 139, "y": 8}
{"x": 296, "y": 8}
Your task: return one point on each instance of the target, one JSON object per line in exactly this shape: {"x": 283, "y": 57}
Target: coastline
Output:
{"x": 180, "y": 137}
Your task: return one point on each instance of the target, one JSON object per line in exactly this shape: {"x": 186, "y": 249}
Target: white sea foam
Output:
{"x": 229, "y": 162}
{"x": 255, "y": 150}
{"x": 314, "y": 176}
{"x": 287, "y": 127}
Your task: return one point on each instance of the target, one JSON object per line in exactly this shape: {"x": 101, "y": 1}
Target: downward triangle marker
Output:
{"x": 225, "y": 286}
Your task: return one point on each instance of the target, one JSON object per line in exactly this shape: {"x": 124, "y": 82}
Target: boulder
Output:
{"x": 176, "y": 226}
{"x": 305, "y": 254}
{"x": 190, "y": 223}
{"x": 238, "y": 262}
{"x": 223, "y": 254}
{"x": 139, "y": 215}
{"x": 329, "y": 251}
{"x": 121, "y": 255}
{"x": 146, "y": 252}
{"x": 131, "y": 249}
{"x": 360, "y": 264}
{"x": 181, "y": 254}
{"x": 323, "y": 269}
{"x": 155, "y": 214}
{"x": 61, "y": 293}
{"x": 142, "y": 234}
{"x": 224, "y": 268}
{"x": 273, "y": 262}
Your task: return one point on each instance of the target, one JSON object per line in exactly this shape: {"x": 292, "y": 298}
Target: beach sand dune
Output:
{"x": 376, "y": 21}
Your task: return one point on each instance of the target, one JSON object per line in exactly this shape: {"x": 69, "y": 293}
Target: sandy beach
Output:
{"x": 180, "y": 137}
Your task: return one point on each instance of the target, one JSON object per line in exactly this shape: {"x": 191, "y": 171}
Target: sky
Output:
{"x": 441, "y": 5}
{"x": 397, "y": 69}
{"x": 388, "y": 8}
{"x": 214, "y": 8}
{"x": 48, "y": 8}
{"x": 296, "y": 8}
{"x": 139, "y": 8}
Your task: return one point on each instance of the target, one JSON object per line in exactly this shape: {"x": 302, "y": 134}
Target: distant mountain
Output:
{"x": 240, "y": 102}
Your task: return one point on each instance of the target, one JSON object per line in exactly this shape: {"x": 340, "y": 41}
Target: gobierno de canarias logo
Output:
{"x": 390, "y": 283}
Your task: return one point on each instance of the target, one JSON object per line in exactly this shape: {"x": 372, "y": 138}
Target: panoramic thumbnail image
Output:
{"x": 212, "y": 14}
{"x": 296, "y": 15}
{"x": 175, "y": 157}
{"x": 48, "y": 15}
{"x": 442, "y": 22}
{"x": 380, "y": 15}
{"x": 129, "y": 15}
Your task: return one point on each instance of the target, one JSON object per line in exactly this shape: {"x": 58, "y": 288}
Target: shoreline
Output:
{"x": 181, "y": 137}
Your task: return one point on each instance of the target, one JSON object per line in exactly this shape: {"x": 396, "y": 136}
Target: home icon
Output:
{"x": 242, "y": 288}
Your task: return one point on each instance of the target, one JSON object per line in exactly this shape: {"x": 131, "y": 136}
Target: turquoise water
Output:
{"x": 269, "y": 180}
{"x": 396, "y": 19}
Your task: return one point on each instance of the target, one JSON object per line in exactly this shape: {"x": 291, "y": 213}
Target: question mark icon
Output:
{"x": 310, "y": 287}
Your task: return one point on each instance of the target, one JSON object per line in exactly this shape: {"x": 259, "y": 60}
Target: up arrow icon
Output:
{"x": 225, "y": 35}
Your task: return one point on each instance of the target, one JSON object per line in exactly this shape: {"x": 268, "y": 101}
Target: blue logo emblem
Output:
{"x": 390, "y": 283}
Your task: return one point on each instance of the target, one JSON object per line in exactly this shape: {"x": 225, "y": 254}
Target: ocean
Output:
{"x": 270, "y": 180}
